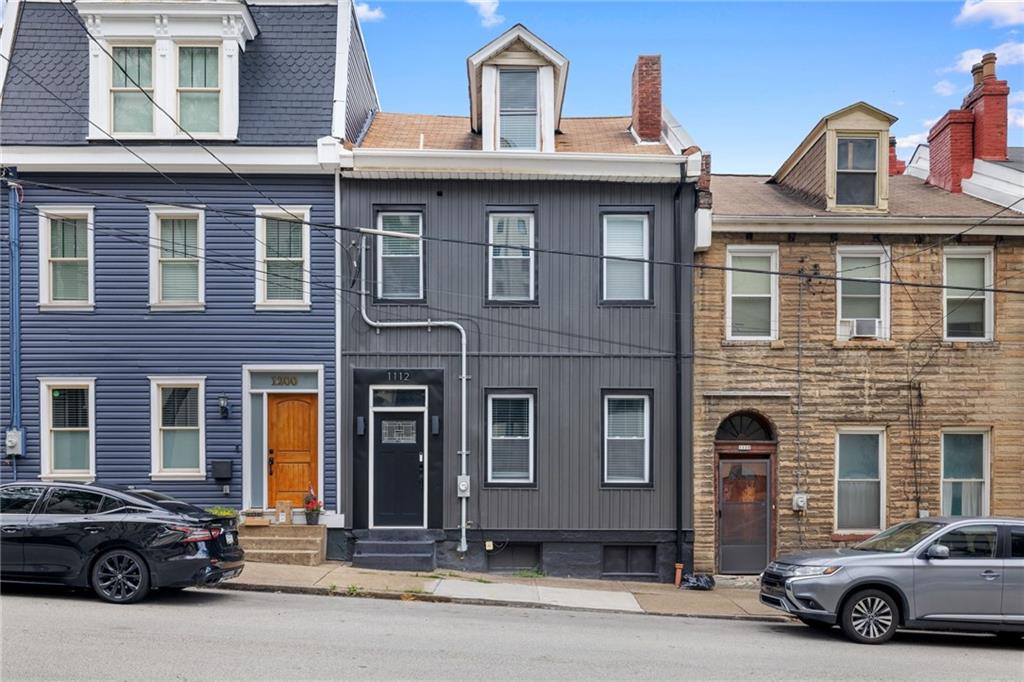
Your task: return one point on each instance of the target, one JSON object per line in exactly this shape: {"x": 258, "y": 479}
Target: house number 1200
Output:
{"x": 282, "y": 380}
{"x": 398, "y": 376}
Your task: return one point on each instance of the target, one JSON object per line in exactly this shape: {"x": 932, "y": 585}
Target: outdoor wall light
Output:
{"x": 222, "y": 403}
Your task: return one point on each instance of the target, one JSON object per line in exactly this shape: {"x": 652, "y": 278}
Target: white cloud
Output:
{"x": 366, "y": 13}
{"x": 929, "y": 122}
{"x": 911, "y": 141}
{"x": 488, "y": 11}
{"x": 944, "y": 88}
{"x": 1015, "y": 117}
{"x": 1016, "y": 98}
{"x": 1008, "y": 53}
{"x": 998, "y": 12}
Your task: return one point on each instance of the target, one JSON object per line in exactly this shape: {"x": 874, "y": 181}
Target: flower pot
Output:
{"x": 312, "y": 518}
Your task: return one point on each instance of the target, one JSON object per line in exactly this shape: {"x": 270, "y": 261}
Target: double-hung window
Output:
{"x": 176, "y": 263}
{"x": 68, "y": 431}
{"x": 862, "y": 292}
{"x": 856, "y": 171}
{"x": 131, "y": 90}
{"x": 511, "y": 271}
{"x": 968, "y": 312}
{"x": 65, "y": 256}
{"x": 199, "y": 89}
{"x": 965, "y": 473}
{"x": 627, "y": 439}
{"x": 860, "y": 480}
{"x": 400, "y": 259}
{"x": 626, "y": 236}
{"x": 751, "y": 293}
{"x": 510, "y": 438}
{"x": 282, "y": 258}
{"x": 517, "y": 101}
{"x": 177, "y": 427}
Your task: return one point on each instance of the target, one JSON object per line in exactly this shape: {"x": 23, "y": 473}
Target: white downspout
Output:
{"x": 428, "y": 323}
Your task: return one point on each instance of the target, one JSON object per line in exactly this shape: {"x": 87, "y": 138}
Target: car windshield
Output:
{"x": 900, "y": 537}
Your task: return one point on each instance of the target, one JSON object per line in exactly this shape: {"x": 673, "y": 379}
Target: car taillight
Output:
{"x": 194, "y": 534}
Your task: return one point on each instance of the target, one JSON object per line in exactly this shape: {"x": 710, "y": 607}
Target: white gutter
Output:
{"x": 463, "y": 377}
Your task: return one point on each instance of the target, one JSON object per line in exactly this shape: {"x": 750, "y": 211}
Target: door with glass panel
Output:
{"x": 968, "y": 584}
{"x": 398, "y": 457}
{"x": 743, "y": 511}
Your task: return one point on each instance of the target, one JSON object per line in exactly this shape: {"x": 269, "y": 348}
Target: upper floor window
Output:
{"x": 857, "y": 171}
{"x": 752, "y": 298}
{"x": 968, "y": 311}
{"x": 510, "y": 266}
{"x": 67, "y": 433}
{"x": 176, "y": 267}
{"x": 282, "y": 258}
{"x": 517, "y": 108}
{"x": 131, "y": 87}
{"x": 65, "y": 257}
{"x": 199, "y": 89}
{"x": 863, "y": 305}
{"x": 400, "y": 259}
{"x": 626, "y": 237}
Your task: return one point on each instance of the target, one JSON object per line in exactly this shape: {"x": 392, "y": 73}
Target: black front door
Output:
{"x": 398, "y": 469}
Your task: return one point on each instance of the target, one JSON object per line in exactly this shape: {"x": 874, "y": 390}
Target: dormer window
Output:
{"x": 517, "y": 94}
{"x": 131, "y": 80}
{"x": 199, "y": 89}
{"x": 856, "y": 171}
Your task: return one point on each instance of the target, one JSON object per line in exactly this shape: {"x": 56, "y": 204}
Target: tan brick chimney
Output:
{"x": 646, "y": 121}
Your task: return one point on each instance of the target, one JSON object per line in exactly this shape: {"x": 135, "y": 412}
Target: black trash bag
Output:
{"x": 698, "y": 582}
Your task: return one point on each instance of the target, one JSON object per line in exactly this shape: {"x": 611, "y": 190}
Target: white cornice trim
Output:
{"x": 865, "y": 225}
{"x": 342, "y": 46}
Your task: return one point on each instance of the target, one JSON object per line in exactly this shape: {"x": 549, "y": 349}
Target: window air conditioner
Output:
{"x": 866, "y": 328}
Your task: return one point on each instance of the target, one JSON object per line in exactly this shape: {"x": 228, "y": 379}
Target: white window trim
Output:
{"x": 986, "y": 465}
{"x": 178, "y": 89}
{"x": 281, "y": 213}
{"x": 380, "y": 257}
{"x": 490, "y": 437}
{"x": 46, "y": 470}
{"x": 881, "y": 433}
{"x": 46, "y": 213}
{"x": 647, "y": 439}
{"x": 156, "y": 213}
{"x": 987, "y": 253}
{"x": 491, "y": 257}
{"x": 745, "y": 250}
{"x": 605, "y": 258}
{"x": 157, "y": 471}
{"x": 883, "y": 275}
{"x": 536, "y": 110}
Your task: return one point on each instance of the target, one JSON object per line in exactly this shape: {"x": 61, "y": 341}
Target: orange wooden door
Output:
{"x": 291, "y": 447}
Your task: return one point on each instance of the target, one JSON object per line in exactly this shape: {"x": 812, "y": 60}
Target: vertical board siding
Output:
{"x": 568, "y": 347}
{"x": 122, "y": 342}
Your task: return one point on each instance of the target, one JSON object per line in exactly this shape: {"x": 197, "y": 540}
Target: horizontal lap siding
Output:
{"x": 121, "y": 342}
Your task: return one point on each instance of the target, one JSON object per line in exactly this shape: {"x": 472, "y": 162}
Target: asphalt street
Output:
{"x": 210, "y": 634}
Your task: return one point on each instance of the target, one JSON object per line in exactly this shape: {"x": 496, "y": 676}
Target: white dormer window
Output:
{"x": 199, "y": 89}
{"x": 131, "y": 87}
{"x": 517, "y": 115}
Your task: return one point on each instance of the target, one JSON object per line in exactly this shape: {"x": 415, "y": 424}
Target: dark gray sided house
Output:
{"x": 513, "y": 389}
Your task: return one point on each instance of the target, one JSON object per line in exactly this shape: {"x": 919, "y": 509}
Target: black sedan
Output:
{"x": 120, "y": 542}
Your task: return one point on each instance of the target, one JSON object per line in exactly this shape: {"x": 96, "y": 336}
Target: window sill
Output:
{"x": 176, "y": 307}
{"x": 627, "y": 486}
{"x": 774, "y": 344}
{"x": 510, "y": 485}
{"x": 184, "y": 476}
{"x": 77, "y": 478}
{"x": 625, "y": 304}
{"x": 852, "y": 536}
{"x": 399, "y": 301}
{"x": 524, "y": 303}
{"x": 864, "y": 344}
{"x": 66, "y": 307}
{"x": 283, "y": 307}
{"x": 964, "y": 344}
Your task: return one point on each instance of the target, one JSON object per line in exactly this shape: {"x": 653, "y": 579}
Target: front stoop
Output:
{"x": 395, "y": 549}
{"x": 284, "y": 544}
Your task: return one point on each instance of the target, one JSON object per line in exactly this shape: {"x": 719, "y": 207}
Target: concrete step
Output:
{"x": 296, "y": 557}
{"x": 393, "y": 547}
{"x": 282, "y": 530}
{"x": 278, "y": 542}
{"x": 395, "y": 562}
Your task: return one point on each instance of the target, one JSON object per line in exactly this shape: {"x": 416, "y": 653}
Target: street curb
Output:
{"x": 439, "y": 599}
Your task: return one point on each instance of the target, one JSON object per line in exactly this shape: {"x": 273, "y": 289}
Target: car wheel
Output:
{"x": 870, "y": 617}
{"x": 816, "y": 624}
{"x": 120, "y": 576}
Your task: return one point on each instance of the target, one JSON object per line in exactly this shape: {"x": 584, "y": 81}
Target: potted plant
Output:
{"x": 313, "y": 507}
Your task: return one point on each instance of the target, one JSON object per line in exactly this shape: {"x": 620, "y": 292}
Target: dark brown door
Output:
{"x": 291, "y": 447}
{"x": 743, "y": 499}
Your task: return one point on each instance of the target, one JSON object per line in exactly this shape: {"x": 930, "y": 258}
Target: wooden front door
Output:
{"x": 291, "y": 447}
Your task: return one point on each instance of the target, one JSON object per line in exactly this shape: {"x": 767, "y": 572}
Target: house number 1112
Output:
{"x": 398, "y": 376}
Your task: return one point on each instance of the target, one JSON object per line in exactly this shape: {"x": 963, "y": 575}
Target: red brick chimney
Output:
{"x": 975, "y": 131}
{"x": 896, "y": 167}
{"x": 646, "y": 121}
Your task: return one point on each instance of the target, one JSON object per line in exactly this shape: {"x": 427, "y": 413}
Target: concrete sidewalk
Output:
{"x": 341, "y": 579}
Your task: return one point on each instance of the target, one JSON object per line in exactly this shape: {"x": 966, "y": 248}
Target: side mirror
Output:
{"x": 937, "y": 551}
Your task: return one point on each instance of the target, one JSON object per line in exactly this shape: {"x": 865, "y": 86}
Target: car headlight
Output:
{"x": 815, "y": 570}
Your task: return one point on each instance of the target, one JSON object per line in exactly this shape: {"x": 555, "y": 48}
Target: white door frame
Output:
{"x": 426, "y": 458}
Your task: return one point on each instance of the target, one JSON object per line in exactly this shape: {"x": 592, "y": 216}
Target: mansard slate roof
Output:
{"x": 286, "y": 77}
{"x": 909, "y": 197}
{"x": 600, "y": 135}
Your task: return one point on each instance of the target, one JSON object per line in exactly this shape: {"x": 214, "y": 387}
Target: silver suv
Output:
{"x": 931, "y": 573}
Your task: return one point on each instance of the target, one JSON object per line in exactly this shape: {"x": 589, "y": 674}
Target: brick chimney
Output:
{"x": 646, "y": 121}
{"x": 896, "y": 167}
{"x": 977, "y": 130}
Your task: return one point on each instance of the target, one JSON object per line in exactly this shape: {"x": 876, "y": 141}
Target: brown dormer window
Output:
{"x": 856, "y": 171}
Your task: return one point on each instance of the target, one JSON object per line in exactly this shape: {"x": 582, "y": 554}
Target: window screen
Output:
{"x": 511, "y": 257}
{"x": 859, "y": 491}
{"x": 511, "y": 439}
{"x": 199, "y": 89}
{"x": 285, "y": 260}
{"x": 518, "y": 108}
{"x": 69, "y": 259}
{"x": 179, "y": 427}
{"x": 179, "y": 260}
{"x": 966, "y": 309}
{"x": 751, "y": 296}
{"x": 400, "y": 260}
{"x": 131, "y": 81}
{"x": 856, "y": 163}
{"x": 626, "y": 439}
{"x": 625, "y": 236}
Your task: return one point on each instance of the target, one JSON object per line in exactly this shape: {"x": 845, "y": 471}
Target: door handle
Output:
{"x": 270, "y": 464}
{"x": 93, "y": 529}
{"x": 989, "y": 574}
{"x": 9, "y": 529}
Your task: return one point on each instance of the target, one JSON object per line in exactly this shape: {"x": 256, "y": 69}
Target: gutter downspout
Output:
{"x": 463, "y": 377}
{"x": 677, "y": 256}
{"x": 337, "y": 338}
{"x": 14, "y": 319}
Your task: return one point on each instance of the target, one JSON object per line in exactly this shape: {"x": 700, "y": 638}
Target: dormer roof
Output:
{"x": 515, "y": 47}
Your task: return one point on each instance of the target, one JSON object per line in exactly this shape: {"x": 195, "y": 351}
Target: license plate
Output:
{"x": 229, "y": 538}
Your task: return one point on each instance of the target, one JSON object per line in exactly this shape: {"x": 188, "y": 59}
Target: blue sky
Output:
{"x": 748, "y": 80}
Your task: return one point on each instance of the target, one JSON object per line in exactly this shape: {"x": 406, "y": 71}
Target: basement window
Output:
{"x": 857, "y": 171}
{"x": 629, "y": 560}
